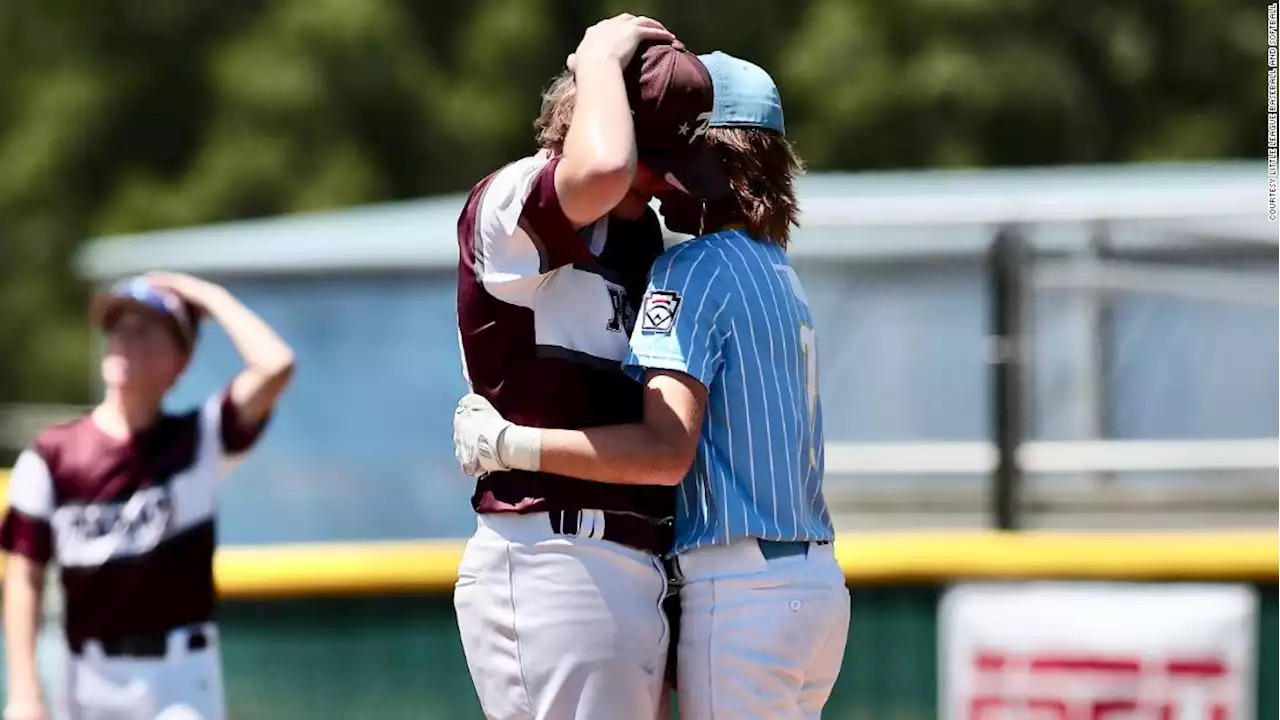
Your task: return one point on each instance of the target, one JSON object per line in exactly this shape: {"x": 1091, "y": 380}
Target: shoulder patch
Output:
{"x": 658, "y": 314}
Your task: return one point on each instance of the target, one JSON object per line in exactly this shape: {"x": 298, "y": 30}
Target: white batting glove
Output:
{"x": 484, "y": 441}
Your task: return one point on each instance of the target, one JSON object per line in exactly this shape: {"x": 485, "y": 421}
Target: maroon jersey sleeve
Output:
{"x": 229, "y": 435}
{"x": 26, "y": 528}
{"x": 521, "y": 231}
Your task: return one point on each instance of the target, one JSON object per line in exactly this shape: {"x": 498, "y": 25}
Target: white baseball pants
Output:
{"x": 183, "y": 685}
{"x": 760, "y": 639}
{"x": 557, "y": 627}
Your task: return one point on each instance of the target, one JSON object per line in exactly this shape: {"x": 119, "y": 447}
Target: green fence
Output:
{"x": 392, "y": 658}
{"x": 396, "y": 658}
{"x": 385, "y": 658}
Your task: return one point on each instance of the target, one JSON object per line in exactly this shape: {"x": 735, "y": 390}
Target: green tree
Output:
{"x": 924, "y": 83}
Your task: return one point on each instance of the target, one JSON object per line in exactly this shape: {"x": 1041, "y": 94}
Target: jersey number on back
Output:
{"x": 809, "y": 348}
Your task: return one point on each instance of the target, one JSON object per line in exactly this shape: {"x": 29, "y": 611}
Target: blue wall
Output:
{"x": 361, "y": 447}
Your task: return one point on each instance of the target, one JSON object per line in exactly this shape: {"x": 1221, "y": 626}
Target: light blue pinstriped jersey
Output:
{"x": 730, "y": 312}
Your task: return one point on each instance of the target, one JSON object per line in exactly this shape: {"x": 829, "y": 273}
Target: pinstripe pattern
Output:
{"x": 742, "y": 328}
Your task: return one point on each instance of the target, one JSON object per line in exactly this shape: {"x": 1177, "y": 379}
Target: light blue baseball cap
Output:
{"x": 745, "y": 95}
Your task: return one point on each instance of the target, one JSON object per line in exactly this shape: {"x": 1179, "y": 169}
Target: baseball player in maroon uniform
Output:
{"x": 123, "y": 501}
{"x": 559, "y": 591}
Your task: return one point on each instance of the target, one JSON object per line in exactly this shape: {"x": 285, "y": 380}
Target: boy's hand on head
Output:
{"x": 616, "y": 39}
{"x": 188, "y": 287}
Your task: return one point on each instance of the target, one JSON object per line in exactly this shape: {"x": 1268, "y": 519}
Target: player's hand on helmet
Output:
{"x": 615, "y": 40}
{"x": 195, "y": 291}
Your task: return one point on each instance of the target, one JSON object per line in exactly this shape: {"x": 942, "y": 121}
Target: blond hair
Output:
{"x": 552, "y": 125}
{"x": 762, "y": 167}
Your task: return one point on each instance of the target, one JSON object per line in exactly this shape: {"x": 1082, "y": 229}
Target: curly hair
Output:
{"x": 762, "y": 167}
{"x": 552, "y": 125}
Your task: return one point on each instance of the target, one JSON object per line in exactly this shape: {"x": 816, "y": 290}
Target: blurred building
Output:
{"x": 1155, "y": 320}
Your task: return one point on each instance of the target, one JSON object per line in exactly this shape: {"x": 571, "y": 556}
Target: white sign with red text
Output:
{"x": 1097, "y": 651}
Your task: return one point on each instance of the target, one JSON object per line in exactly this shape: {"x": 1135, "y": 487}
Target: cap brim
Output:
{"x": 105, "y": 305}
{"x": 701, "y": 175}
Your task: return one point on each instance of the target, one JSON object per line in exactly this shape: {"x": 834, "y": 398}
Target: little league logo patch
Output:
{"x": 658, "y": 315}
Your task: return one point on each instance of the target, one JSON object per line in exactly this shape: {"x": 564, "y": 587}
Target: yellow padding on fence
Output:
{"x": 375, "y": 568}
{"x": 928, "y": 557}
{"x": 867, "y": 558}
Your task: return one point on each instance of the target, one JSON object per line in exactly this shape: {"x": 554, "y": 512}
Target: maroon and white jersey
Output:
{"x": 129, "y": 523}
{"x": 544, "y": 316}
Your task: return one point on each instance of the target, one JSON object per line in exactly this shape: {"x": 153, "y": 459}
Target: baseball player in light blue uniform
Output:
{"x": 726, "y": 347}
